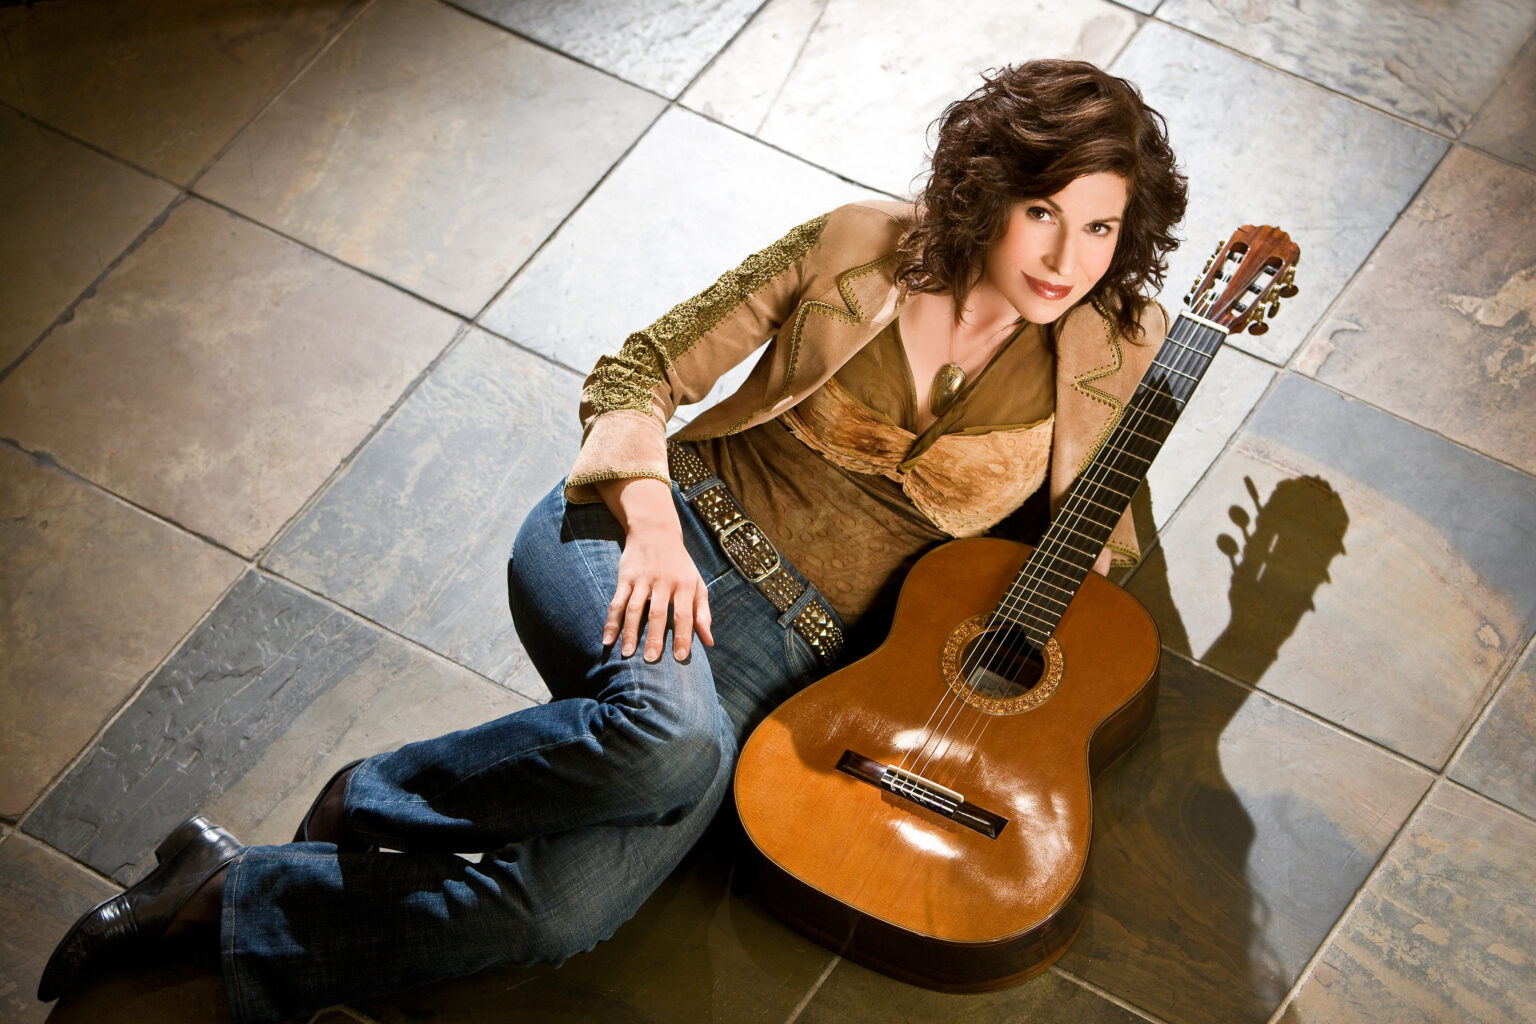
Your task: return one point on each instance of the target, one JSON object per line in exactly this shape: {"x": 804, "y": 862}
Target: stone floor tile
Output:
{"x": 68, "y": 212}
{"x": 1414, "y": 59}
{"x": 1506, "y": 126}
{"x": 1261, "y": 147}
{"x": 41, "y": 894}
{"x": 220, "y": 374}
{"x": 1225, "y": 397}
{"x": 683, "y": 182}
{"x": 1445, "y": 931}
{"x": 854, "y": 995}
{"x": 1500, "y": 759}
{"x": 1353, "y": 564}
{"x": 172, "y": 992}
{"x": 415, "y": 534}
{"x": 161, "y": 83}
{"x": 1440, "y": 327}
{"x": 272, "y": 693}
{"x": 658, "y": 46}
{"x": 699, "y": 950}
{"x": 93, "y": 594}
{"x": 432, "y": 149}
{"x": 1226, "y": 844}
{"x": 839, "y": 83}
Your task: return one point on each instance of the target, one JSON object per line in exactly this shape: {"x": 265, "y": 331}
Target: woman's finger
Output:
{"x": 682, "y": 623}
{"x": 634, "y": 615}
{"x": 656, "y": 626}
{"x": 701, "y": 619}
{"x": 615, "y": 617}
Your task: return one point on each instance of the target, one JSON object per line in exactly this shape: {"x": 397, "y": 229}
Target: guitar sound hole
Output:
{"x": 1001, "y": 663}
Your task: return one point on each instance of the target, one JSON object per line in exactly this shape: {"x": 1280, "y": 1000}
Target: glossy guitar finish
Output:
{"x": 906, "y": 890}
{"x": 927, "y": 811}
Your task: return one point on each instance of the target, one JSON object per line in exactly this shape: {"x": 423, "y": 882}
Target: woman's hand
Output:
{"x": 655, "y": 573}
{"x": 1101, "y": 564}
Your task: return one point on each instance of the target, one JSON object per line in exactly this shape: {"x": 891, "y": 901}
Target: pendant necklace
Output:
{"x": 950, "y": 380}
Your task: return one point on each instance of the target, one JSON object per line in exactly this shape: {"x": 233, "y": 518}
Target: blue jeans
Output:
{"x": 580, "y": 807}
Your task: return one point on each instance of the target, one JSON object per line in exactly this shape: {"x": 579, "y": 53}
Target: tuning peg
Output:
{"x": 1257, "y": 324}
{"x": 1288, "y": 283}
{"x": 1274, "y": 307}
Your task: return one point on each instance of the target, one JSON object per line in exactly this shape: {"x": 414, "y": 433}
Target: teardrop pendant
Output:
{"x": 947, "y": 384}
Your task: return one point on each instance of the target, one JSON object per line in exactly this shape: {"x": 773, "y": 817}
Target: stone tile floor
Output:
{"x": 297, "y": 295}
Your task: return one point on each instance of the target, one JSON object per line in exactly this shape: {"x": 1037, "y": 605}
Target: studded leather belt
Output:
{"x": 753, "y": 554}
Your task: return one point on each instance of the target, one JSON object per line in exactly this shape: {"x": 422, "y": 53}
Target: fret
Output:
{"x": 1152, "y": 415}
{"x": 1113, "y": 490}
{"x": 1121, "y": 472}
{"x": 1084, "y": 551}
{"x": 1195, "y": 377}
{"x": 1046, "y": 584}
{"x": 1112, "y": 446}
{"x": 1014, "y": 616}
{"x": 1201, "y": 353}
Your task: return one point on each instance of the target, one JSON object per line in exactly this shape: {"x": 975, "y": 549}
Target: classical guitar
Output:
{"x": 927, "y": 810}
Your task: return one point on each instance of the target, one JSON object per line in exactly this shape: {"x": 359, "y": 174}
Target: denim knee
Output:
{"x": 665, "y": 750}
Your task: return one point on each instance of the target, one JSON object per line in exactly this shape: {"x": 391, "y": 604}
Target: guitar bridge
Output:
{"x": 925, "y": 793}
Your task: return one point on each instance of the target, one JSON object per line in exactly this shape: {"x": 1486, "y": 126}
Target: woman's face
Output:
{"x": 1055, "y": 249}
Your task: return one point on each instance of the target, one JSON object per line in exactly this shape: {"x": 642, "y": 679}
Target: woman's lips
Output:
{"x": 1046, "y": 290}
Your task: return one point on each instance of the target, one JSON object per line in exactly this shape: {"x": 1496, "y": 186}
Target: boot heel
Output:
{"x": 180, "y": 836}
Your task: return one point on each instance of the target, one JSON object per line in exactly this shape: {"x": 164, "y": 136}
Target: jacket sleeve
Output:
{"x": 628, "y": 398}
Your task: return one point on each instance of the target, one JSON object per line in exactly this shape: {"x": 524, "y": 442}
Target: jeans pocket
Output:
{"x": 803, "y": 663}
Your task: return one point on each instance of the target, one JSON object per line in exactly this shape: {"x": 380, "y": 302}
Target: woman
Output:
{"x": 927, "y": 369}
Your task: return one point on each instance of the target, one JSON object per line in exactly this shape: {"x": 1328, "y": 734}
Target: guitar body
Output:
{"x": 920, "y": 894}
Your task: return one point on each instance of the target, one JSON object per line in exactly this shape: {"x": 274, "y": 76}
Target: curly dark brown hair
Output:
{"x": 1027, "y": 133}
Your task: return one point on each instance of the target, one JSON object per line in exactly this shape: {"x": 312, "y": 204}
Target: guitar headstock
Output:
{"x": 1255, "y": 267}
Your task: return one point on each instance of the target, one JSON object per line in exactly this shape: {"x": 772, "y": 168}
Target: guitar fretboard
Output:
{"x": 1045, "y": 586}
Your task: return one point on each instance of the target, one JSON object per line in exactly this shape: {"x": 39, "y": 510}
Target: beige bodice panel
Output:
{"x": 852, "y": 493}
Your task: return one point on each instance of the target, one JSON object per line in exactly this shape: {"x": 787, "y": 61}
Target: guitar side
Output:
{"x": 912, "y": 892}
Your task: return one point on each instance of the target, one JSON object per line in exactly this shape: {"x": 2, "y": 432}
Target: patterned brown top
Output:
{"x": 852, "y": 494}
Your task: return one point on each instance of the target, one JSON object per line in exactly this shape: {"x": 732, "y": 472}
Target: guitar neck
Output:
{"x": 1045, "y": 586}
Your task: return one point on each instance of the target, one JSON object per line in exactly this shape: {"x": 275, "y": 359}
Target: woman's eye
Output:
{"x": 1038, "y": 213}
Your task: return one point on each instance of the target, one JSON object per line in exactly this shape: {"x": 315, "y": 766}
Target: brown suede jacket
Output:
{"x": 816, "y": 297}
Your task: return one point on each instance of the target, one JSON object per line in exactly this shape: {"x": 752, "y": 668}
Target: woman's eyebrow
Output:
{"x": 1116, "y": 219}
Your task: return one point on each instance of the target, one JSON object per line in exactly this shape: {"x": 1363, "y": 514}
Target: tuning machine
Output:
{"x": 1288, "y": 284}
{"x": 1256, "y": 324}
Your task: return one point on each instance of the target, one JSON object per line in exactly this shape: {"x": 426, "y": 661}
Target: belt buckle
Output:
{"x": 742, "y": 523}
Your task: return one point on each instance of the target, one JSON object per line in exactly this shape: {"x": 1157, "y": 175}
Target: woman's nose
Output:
{"x": 1061, "y": 254}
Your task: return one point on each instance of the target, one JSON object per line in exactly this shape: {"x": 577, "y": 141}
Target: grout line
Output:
{"x": 346, "y": 461}
{"x": 137, "y": 691}
{"x": 1296, "y": 76}
{"x": 1305, "y": 974}
{"x": 1106, "y": 994}
{"x": 805, "y": 1000}
{"x": 343, "y": 28}
{"x": 1313, "y": 716}
{"x": 416, "y": 645}
{"x": 89, "y": 291}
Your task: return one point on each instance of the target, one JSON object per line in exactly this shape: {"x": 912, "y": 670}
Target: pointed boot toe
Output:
{"x": 128, "y": 927}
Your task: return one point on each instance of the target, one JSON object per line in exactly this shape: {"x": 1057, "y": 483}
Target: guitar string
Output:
{"x": 1134, "y": 440}
{"x": 985, "y": 655}
{"x": 951, "y": 770}
{"x": 1175, "y": 358}
{"x": 1181, "y": 397}
{"x": 1188, "y": 363}
{"x": 937, "y": 743}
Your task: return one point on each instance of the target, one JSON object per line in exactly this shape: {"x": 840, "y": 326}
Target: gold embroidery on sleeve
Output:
{"x": 853, "y": 315}
{"x": 626, "y": 380}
